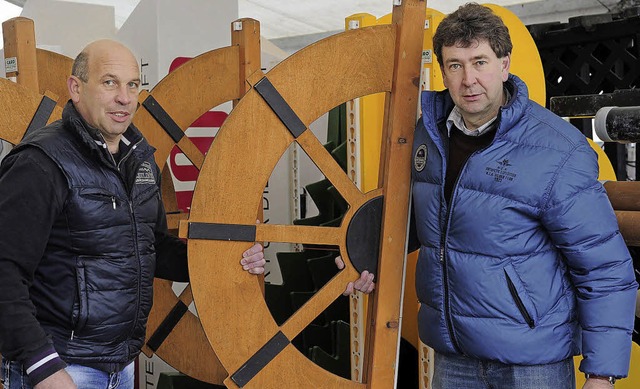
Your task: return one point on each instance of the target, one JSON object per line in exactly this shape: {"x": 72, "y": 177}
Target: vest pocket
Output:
{"x": 517, "y": 291}
{"x": 81, "y": 306}
{"x": 146, "y": 195}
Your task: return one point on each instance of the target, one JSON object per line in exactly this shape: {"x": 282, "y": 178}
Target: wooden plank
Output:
{"x": 246, "y": 36}
{"x": 292, "y": 370}
{"x": 299, "y": 234}
{"x": 20, "y": 43}
{"x": 202, "y": 83}
{"x": 24, "y": 104}
{"x": 358, "y": 62}
{"x": 329, "y": 167}
{"x": 397, "y": 138}
{"x": 318, "y": 302}
{"x": 53, "y": 71}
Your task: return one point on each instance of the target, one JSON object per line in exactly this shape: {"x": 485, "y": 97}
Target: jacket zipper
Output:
{"x": 443, "y": 262}
{"x": 135, "y": 233}
{"x": 443, "y": 256}
{"x": 133, "y": 222}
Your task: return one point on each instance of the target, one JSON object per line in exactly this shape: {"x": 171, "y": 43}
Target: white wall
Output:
{"x": 161, "y": 30}
{"x": 69, "y": 26}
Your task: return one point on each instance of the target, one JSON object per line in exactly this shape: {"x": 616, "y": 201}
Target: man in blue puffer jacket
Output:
{"x": 522, "y": 265}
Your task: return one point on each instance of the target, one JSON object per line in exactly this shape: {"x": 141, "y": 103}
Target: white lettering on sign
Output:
{"x": 11, "y": 65}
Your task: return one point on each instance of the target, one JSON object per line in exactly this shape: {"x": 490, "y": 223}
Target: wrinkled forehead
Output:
{"x": 468, "y": 49}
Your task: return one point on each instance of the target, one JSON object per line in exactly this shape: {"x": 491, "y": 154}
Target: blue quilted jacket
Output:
{"x": 526, "y": 265}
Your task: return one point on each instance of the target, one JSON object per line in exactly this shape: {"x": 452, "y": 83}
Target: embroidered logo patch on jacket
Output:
{"x": 145, "y": 174}
{"x": 420, "y": 158}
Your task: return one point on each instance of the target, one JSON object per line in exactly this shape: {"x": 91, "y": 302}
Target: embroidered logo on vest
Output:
{"x": 501, "y": 172}
{"x": 145, "y": 174}
{"x": 420, "y": 158}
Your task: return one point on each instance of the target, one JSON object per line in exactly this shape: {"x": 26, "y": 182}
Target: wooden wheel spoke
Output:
{"x": 300, "y": 234}
{"x": 191, "y": 151}
{"x": 329, "y": 167}
{"x": 318, "y": 303}
{"x": 154, "y": 121}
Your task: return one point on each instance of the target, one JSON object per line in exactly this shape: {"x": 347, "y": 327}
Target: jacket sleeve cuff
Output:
{"x": 42, "y": 364}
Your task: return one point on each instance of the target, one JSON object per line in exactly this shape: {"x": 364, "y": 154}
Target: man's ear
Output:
{"x": 74, "y": 85}
{"x": 505, "y": 63}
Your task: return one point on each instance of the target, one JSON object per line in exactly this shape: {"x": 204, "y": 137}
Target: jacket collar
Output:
{"x": 91, "y": 137}
{"x": 436, "y": 107}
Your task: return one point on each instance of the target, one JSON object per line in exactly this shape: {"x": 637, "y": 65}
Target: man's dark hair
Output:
{"x": 80, "y": 67}
{"x": 469, "y": 24}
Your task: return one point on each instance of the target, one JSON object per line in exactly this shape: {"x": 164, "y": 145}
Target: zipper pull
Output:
{"x": 441, "y": 254}
{"x": 113, "y": 200}
{"x": 72, "y": 331}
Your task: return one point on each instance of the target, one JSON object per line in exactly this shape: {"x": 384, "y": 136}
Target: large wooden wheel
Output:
{"x": 206, "y": 81}
{"x": 276, "y": 112}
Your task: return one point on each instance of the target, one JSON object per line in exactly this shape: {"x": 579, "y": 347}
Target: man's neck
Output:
{"x": 113, "y": 143}
{"x": 481, "y": 122}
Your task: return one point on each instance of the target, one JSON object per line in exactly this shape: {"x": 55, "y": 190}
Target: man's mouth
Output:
{"x": 471, "y": 97}
{"x": 120, "y": 116}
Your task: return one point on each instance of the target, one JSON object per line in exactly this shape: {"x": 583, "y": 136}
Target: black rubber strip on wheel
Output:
{"x": 42, "y": 115}
{"x": 280, "y": 107}
{"x": 168, "y": 324}
{"x": 163, "y": 118}
{"x": 220, "y": 231}
{"x": 260, "y": 359}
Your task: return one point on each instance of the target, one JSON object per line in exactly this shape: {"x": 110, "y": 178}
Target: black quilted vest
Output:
{"x": 93, "y": 287}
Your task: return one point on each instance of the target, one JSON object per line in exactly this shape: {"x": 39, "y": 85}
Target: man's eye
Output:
{"x": 110, "y": 83}
{"x": 134, "y": 85}
{"x": 454, "y": 66}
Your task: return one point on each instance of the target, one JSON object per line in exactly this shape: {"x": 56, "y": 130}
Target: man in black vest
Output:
{"x": 83, "y": 234}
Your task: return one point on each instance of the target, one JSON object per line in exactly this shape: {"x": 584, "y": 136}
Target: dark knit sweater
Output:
{"x": 461, "y": 146}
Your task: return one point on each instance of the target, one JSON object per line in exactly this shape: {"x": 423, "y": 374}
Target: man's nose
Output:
{"x": 469, "y": 76}
{"x": 125, "y": 95}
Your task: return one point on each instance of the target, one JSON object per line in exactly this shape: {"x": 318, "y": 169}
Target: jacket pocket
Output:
{"x": 97, "y": 194}
{"x": 81, "y": 306}
{"x": 519, "y": 295}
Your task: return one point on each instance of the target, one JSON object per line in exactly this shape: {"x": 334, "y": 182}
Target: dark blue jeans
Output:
{"x": 14, "y": 377}
{"x": 458, "y": 372}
